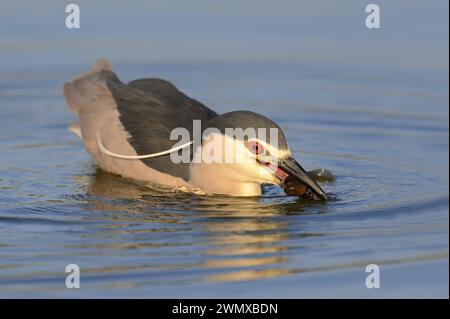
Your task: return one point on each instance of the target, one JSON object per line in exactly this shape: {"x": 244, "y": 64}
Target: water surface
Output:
{"x": 376, "y": 116}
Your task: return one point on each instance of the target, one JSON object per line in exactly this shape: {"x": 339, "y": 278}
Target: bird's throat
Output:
{"x": 214, "y": 180}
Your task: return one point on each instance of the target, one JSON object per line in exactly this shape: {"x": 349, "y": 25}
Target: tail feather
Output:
{"x": 82, "y": 88}
{"x": 75, "y": 128}
{"x": 102, "y": 64}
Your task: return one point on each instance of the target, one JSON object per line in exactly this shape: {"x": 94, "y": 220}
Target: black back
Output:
{"x": 149, "y": 110}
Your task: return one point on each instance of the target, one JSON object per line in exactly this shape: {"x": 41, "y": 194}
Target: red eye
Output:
{"x": 255, "y": 148}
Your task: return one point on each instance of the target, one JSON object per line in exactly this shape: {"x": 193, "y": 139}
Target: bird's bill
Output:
{"x": 292, "y": 168}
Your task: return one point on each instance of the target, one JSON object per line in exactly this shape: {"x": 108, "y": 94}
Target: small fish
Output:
{"x": 294, "y": 187}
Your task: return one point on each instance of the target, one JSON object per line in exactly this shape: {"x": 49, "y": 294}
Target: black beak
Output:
{"x": 291, "y": 167}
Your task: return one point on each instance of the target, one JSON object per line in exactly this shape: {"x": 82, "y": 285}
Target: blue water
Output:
{"x": 369, "y": 105}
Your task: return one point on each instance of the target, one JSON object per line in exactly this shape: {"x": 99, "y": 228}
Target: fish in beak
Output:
{"x": 289, "y": 170}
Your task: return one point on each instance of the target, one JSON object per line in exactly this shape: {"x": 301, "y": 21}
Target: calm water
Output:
{"x": 376, "y": 116}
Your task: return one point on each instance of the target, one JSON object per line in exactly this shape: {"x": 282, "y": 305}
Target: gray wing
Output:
{"x": 149, "y": 110}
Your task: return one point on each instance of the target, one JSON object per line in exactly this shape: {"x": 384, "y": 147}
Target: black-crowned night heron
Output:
{"x": 126, "y": 129}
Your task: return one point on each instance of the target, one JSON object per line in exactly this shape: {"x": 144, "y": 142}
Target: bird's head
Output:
{"x": 240, "y": 151}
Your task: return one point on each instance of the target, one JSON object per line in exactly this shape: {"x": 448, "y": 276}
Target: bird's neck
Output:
{"x": 211, "y": 179}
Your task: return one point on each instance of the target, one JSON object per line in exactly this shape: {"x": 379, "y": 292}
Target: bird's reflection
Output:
{"x": 232, "y": 239}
